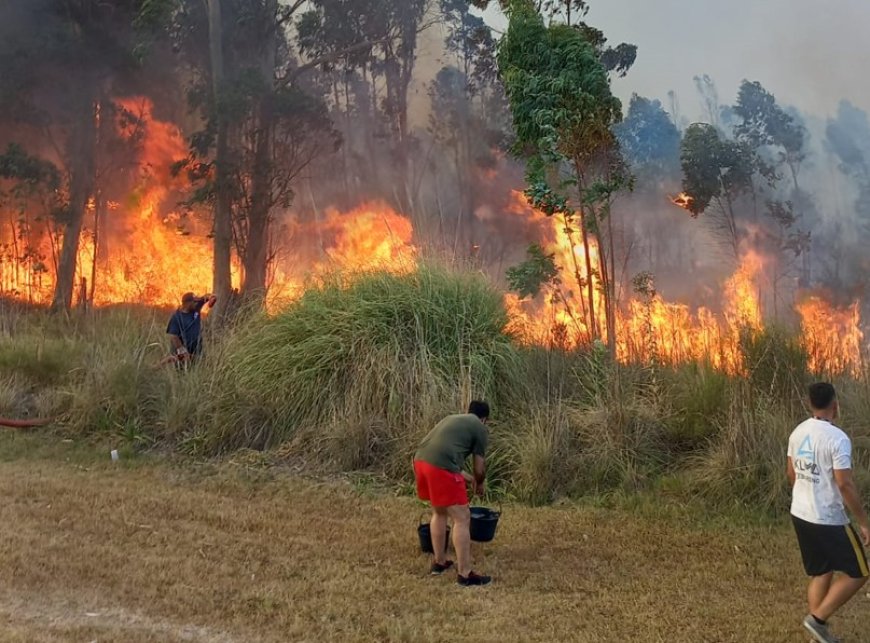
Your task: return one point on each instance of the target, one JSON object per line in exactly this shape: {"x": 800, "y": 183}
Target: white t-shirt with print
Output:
{"x": 817, "y": 448}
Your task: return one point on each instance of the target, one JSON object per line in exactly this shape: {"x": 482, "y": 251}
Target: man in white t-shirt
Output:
{"x": 820, "y": 471}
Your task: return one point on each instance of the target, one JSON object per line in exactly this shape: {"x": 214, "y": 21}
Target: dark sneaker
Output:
{"x": 474, "y": 579}
{"x": 820, "y": 632}
{"x": 437, "y": 569}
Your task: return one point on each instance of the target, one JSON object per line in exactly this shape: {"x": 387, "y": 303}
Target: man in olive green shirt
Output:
{"x": 440, "y": 480}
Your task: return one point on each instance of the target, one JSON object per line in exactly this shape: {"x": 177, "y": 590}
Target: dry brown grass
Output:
{"x": 151, "y": 551}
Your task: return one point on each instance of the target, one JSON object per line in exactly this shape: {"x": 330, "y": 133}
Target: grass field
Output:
{"x": 156, "y": 550}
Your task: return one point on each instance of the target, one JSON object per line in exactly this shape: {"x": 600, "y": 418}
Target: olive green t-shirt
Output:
{"x": 452, "y": 440}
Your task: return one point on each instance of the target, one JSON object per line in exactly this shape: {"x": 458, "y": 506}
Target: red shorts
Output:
{"x": 440, "y": 487}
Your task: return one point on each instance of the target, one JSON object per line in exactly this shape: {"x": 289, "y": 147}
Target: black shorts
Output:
{"x": 830, "y": 548}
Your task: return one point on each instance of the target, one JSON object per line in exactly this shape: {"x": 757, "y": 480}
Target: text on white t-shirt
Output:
{"x": 816, "y": 448}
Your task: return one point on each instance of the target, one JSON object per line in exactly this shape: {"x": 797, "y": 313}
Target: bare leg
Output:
{"x": 461, "y": 537}
{"x": 816, "y": 592}
{"x": 438, "y": 532}
{"x": 841, "y": 591}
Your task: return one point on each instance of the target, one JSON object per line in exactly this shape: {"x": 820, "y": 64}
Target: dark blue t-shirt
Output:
{"x": 187, "y": 326}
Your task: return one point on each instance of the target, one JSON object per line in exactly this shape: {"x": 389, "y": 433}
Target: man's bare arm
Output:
{"x": 851, "y": 497}
{"x": 479, "y": 469}
{"x": 790, "y": 471}
{"x": 176, "y": 342}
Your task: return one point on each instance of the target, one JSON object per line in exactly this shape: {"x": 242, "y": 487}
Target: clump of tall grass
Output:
{"x": 604, "y": 431}
{"x": 696, "y": 398}
{"x": 359, "y": 368}
{"x": 116, "y": 389}
{"x": 745, "y": 463}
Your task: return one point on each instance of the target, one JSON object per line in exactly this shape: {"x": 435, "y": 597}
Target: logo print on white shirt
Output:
{"x": 806, "y": 449}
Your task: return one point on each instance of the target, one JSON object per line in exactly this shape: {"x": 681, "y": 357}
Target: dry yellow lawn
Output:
{"x": 151, "y": 551}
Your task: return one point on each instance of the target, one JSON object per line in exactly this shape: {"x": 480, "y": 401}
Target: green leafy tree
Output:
{"x": 563, "y": 113}
{"x": 539, "y": 269}
{"x": 778, "y": 142}
{"x": 716, "y": 172}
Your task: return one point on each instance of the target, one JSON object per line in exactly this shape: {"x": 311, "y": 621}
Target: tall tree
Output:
{"x": 718, "y": 172}
{"x": 376, "y": 81}
{"x": 778, "y": 142}
{"x": 563, "y": 114}
{"x": 261, "y": 117}
{"x": 223, "y": 190}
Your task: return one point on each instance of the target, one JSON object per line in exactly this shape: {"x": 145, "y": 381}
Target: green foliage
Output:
{"x": 355, "y": 370}
{"x": 776, "y": 362}
{"x": 699, "y": 397}
{"x": 38, "y": 360}
{"x": 538, "y": 270}
{"x": 765, "y": 123}
{"x": 713, "y": 168}
{"x": 558, "y": 89}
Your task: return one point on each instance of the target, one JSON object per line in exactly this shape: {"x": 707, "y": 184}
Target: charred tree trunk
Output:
{"x": 81, "y": 178}
{"x": 223, "y": 225}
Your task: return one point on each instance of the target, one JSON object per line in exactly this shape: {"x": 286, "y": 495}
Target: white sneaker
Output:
{"x": 820, "y": 632}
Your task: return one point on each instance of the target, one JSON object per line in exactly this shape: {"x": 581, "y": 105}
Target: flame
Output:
{"x": 832, "y": 338}
{"x": 153, "y": 252}
{"x": 370, "y": 237}
{"x": 648, "y": 328}
{"x": 683, "y": 200}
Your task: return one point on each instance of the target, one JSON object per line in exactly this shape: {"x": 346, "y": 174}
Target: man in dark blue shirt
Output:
{"x": 185, "y": 326}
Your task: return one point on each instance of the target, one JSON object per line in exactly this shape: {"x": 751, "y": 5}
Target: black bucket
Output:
{"x": 483, "y": 524}
{"x": 425, "y": 535}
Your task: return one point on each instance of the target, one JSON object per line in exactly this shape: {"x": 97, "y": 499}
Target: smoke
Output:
{"x": 807, "y": 55}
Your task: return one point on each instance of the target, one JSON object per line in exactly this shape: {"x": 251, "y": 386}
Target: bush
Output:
{"x": 357, "y": 370}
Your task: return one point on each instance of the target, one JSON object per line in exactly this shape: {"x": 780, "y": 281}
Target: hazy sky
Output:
{"x": 810, "y": 53}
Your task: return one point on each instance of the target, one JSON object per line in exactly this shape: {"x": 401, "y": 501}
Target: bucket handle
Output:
{"x": 420, "y": 520}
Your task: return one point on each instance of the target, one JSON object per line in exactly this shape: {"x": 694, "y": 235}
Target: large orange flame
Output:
{"x": 155, "y": 251}
{"x": 832, "y": 338}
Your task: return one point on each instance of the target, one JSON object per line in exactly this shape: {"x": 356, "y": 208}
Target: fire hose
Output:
{"x": 24, "y": 424}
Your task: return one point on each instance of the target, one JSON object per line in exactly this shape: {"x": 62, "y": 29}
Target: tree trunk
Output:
{"x": 99, "y": 208}
{"x": 590, "y": 279}
{"x": 609, "y": 270}
{"x": 81, "y": 172}
{"x": 223, "y": 225}
{"x": 256, "y": 259}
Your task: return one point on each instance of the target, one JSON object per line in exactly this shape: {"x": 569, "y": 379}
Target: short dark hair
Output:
{"x": 479, "y": 408}
{"x": 822, "y": 395}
